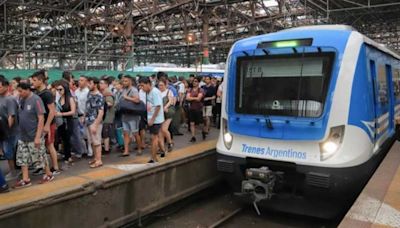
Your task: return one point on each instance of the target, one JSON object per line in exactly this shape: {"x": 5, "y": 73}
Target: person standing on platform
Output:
{"x": 130, "y": 122}
{"x": 191, "y": 79}
{"x": 108, "y": 126}
{"x": 94, "y": 120}
{"x": 67, "y": 112}
{"x": 155, "y": 116}
{"x": 49, "y": 130}
{"x": 143, "y": 119}
{"x": 218, "y": 105}
{"x": 180, "y": 86}
{"x": 118, "y": 116}
{"x": 81, "y": 95}
{"x": 8, "y": 127}
{"x": 194, "y": 97}
{"x": 169, "y": 111}
{"x": 208, "y": 100}
{"x": 31, "y": 149}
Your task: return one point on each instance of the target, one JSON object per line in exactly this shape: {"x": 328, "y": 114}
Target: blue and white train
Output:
{"x": 308, "y": 114}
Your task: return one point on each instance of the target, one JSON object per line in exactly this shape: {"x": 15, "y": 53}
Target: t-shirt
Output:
{"x": 220, "y": 89}
{"x": 142, "y": 96}
{"x": 180, "y": 86}
{"x": 196, "y": 105}
{"x": 29, "y": 110}
{"x": 209, "y": 91}
{"x": 81, "y": 95}
{"x": 47, "y": 99}
{"x": 9, "y": 107}
{"x": 166, "y": 93}
{"x": 94, "y": 103}
{"x": 153, "y": 100}
{"x": 130, "y": 92}
{"x": 110, "y": 115}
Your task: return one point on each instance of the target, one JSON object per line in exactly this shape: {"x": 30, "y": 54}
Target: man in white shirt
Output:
{"x": 82, "y": 94}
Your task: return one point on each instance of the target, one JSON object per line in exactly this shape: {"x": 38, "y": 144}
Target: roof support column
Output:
{"x": 204, "y": 41}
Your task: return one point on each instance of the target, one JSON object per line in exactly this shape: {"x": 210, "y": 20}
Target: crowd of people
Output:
{"x": 88, "y": 117}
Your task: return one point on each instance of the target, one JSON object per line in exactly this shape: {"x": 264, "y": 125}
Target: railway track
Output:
{"x": 216, "y": 207}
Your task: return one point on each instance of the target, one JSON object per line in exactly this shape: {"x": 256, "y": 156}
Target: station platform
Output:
{"x": 378, "y": 205}
{"x": 122, "y": 190}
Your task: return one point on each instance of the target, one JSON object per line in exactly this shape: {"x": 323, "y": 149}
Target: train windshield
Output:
{"x": 283, "y": 85}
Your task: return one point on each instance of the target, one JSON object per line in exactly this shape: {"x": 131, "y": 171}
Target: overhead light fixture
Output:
{"x": 190, "y": 38}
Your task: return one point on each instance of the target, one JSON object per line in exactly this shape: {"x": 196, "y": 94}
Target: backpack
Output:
{"x": 105, "y": 108}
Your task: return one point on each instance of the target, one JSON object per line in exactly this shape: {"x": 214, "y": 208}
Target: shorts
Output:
{"x": 9, "y": 147}
{"x": 52, "y": 134}
{"x": 207, "y": 111}
{"x": 195, "y": 116}
{"x": 142, "y": 124}
{"x": 107, "y": 130}
{"x": 29, "y": 155}
{"x": 94, "y": 139}
{"x": 155, "y": 129}
{"x": 131, "y": 126}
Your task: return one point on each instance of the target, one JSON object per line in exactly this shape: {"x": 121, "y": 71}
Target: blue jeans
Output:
{"x": 9, "y": 147}
{"x": 76, "y": 137}
{"x": 2, "y": 180}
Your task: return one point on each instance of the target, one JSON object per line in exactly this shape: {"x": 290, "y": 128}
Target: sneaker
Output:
{"x": 162, "y": 154}
{"x": 38, "y": 172}
{"x": 11, "y": 176}
{"x": 46, "y": 179}
{"x": 193, "y": 139}
{"x": 22, "y": 184}
{"x": 4, "y": 188}
{"x": 55, "y": 171}
{"x": 170, "y": 147}
{"x": 151, "y": 161}
{"x": 204, "y": 134}
{"x": 70, "y": 161}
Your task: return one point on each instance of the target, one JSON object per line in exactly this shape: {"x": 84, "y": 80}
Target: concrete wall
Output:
{"x": 116, "y": 201}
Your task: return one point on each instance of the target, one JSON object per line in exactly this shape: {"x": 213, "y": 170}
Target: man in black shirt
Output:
{"x": 38, "y": 82}
{"x": 209, "y": 98}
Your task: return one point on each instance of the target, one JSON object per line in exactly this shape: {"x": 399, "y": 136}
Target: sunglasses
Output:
{"x": 59, "y": 89}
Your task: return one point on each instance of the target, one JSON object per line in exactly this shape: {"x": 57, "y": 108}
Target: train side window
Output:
{"x": 396, "y": 83}
{"x": 382, "y": 89}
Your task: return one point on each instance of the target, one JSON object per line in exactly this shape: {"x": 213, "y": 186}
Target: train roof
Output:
{"x": 315, "y": 31}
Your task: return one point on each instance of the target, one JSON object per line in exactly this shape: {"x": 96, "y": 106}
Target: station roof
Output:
{"x": 115, "y": 34}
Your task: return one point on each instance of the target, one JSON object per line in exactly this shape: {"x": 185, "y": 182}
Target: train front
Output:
{"x": 285, "y": 141}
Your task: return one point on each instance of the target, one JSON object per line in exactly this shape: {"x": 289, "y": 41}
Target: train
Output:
{"x": 308, "y": 114}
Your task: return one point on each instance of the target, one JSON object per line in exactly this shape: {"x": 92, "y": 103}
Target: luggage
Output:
{"x": 119, "y": 135}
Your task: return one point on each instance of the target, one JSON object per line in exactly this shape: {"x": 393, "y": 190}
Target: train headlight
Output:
{"x": 331, "y": 145}
{"x": 227, "y": 137}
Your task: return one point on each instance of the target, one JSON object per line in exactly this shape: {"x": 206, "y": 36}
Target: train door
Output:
{"x": 391, "y": 97}
{"x": 372, "y": 69}
{"x": 382, "y": 102}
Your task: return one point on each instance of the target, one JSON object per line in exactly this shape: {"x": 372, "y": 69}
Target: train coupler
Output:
{"x": 259, "y": 184}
